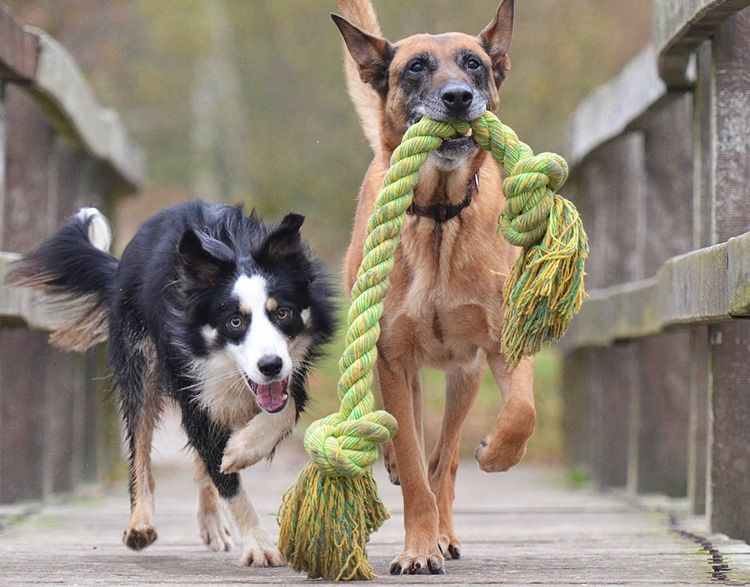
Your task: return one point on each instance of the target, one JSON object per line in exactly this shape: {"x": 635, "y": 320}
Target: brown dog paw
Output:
{"x": 497, "y": 455}
{"x": 139, "y": 537}
{"x": 450, "y": 547}
{"x": 389, "y": 458}
{"x": 408, "y": 563}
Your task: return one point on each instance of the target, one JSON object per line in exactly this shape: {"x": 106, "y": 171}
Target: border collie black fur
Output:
{"x": 208, "y": 307}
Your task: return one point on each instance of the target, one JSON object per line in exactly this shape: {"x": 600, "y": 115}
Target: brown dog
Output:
{"x": 444, "y": 308}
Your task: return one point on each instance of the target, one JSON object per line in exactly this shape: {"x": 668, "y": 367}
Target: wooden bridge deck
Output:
{"x": 518, "y": 528}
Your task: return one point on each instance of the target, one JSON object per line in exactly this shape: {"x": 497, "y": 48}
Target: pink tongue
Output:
{"x": 272, "y": 396}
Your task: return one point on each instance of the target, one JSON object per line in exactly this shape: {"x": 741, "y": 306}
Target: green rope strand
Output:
{"x": 327, "y": 517}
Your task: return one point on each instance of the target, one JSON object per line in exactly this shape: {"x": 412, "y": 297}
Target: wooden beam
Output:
{"x": 680, "y": 26}
{"x": 616, "y": 106}
{"x": 72, "y": 109}
{"x": 703, "y": 286}
{"x": 18, "y": 50}
{"x": 651, "y": 78}
{"x": 21, "y": 305}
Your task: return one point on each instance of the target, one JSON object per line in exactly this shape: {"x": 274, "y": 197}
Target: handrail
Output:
{"x": 680, "y": 26}
{"x": 19, "y": 304}
{"x": 704, "y": 286}
{"x": 660, "y": 71}
{"x": 40, "y": 65}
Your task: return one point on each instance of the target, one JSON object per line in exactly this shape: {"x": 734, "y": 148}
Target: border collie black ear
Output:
{"x": 283, "y": 243}
{"x": 204, "y": 258}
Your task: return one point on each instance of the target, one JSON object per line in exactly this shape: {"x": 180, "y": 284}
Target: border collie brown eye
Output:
{"x": 416, "y": 67}
{"x": 473, "y": 64}
{"x": 283, "y": 314}
{"x": 235, "y": 322}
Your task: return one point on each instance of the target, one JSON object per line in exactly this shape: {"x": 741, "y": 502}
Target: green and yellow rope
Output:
{"x": 326, "y": 518}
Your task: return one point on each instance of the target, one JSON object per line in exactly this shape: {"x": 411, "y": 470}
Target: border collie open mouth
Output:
{"x": 272, "y": 397}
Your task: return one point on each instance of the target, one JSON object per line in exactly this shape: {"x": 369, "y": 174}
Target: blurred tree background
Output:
{"x": 244, "y": 100}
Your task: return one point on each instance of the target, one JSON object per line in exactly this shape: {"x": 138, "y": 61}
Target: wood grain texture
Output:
{"x": 689, "y": 289}
{"x": 680, "y": 26}
{"x": 727, "y": 506}
{"x": 18, "y": 50}
{"x": 523, "y": 527}
{"x": 616, "y": 106}
{"x": 663, "y": 407}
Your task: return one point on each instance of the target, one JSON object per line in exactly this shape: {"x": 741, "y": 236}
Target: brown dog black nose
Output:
{"x": 457, "y": 97}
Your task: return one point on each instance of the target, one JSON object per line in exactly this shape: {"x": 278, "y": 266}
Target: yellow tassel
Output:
{"x": 325, "y": 523}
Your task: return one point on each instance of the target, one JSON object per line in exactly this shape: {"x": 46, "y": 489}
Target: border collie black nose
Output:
{"x": 270, "y": 365}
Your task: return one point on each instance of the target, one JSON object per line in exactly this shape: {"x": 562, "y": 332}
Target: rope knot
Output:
{"x": 348, "y": 447}
{"x": 530, "y": 191}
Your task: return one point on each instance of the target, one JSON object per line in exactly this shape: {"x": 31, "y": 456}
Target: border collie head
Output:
{"x": 258, "y": 306}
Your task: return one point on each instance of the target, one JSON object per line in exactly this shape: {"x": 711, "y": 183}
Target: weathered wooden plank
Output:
{"x": 3, "y": 155}
{"x": 524, "y": 527}
{"x": 728, "y": 507}
{"x": 680, "y": 26}
{"x": 615, "y": 384}
{"x": 616, "y": 106}
{"x": 689, "y": 289}
{"x": 661, "y": 459}
{"x": 663, "y": 414}
{"x": 703, "y": 230}
{"x": 59, "y": 402}
{"x": 732, "y": 95}
{"x": 668, "y": 162}
{"x": 611, "y": 192}
{"x": 21, "y": 304}
{"x": 577, "y": 419}
{"x": 22, "y": 414}
{"x": 700, "y": 384}
{"x": 611, "y": 189}
{"x": 18, "y": 50}
{"x": 72, "y": 109}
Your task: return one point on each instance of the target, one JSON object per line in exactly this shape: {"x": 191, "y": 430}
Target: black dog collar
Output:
{"x": 442, "y": 212}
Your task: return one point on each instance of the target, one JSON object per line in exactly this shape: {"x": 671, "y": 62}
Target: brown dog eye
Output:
{"x": 473, "y": 64}
{"x": 416, "y": 67}
{"x": 235, "y": 322}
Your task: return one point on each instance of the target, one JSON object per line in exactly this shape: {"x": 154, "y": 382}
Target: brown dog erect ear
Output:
{"x": 372, "y": 54}
{"x": 496, "y": 36}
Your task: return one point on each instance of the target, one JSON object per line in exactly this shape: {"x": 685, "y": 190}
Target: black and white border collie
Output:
{"x": 212, "y": 309}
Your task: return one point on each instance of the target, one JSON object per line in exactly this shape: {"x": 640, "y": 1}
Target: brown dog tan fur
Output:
{"x": 444, "y": 308}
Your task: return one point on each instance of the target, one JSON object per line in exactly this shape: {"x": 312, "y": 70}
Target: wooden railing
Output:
{"x": 59, "y": 150}
{"x": 657, "y": 364}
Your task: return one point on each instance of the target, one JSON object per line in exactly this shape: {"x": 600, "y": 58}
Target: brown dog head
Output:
{"x": 449, "y": 77}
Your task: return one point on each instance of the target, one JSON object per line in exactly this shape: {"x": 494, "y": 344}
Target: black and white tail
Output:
{"x": 74, "y": 268}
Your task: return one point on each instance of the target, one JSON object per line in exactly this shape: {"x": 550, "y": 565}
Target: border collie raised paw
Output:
{"x": 212, "y": 309}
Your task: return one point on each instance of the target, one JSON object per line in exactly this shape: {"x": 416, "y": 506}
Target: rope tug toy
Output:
{"x": 327, "y": 516}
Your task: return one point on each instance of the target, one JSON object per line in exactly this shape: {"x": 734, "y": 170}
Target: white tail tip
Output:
{"x": 100, "y": 233}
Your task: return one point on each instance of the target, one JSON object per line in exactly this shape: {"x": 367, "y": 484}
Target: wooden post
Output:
{"x": 703, "y": 235}
{"x": 577, "y": 421}
{"x": 603, "y": 380}
{"x": 662, "y": 361}
{"x": 22, "y": 382}
{"x": 728, "y": 505}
